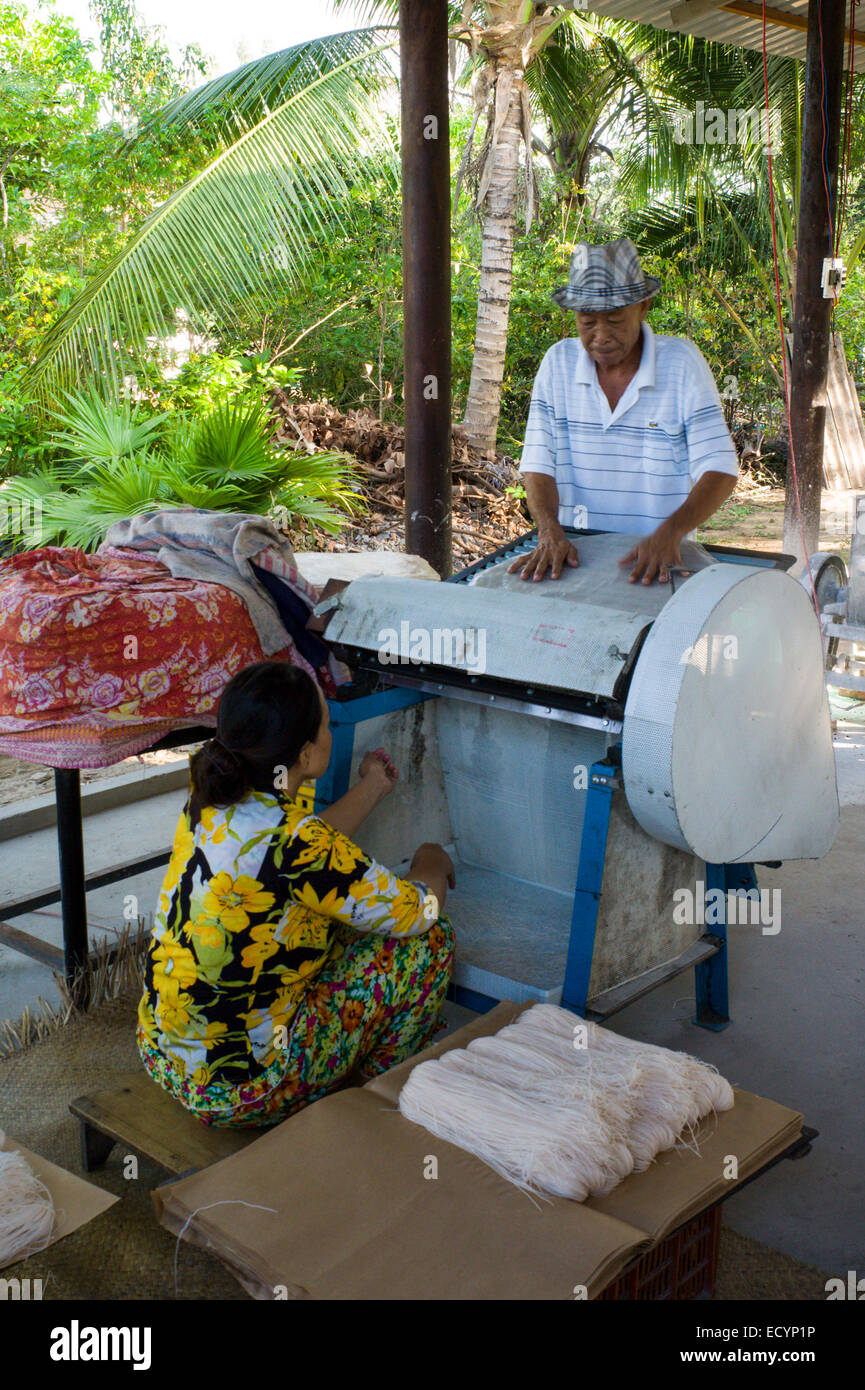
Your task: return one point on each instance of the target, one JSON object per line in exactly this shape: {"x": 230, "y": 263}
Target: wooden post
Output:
{"x": 426, "y": 279}
{"x": 812, "y": 313}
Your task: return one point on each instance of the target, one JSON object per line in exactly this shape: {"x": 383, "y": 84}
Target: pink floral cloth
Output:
{"x": 102, "y": 655}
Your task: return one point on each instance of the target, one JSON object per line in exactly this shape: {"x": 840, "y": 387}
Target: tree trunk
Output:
{"x": 494, "y": 295}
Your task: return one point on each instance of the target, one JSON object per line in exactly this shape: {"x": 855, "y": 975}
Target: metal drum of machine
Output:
{"x": 596, "y": 755}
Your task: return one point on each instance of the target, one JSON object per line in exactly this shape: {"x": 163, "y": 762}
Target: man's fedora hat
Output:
{"x": 605, "y": 277}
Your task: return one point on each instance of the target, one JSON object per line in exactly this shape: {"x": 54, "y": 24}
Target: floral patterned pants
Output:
{"x": 376, "y": 1002}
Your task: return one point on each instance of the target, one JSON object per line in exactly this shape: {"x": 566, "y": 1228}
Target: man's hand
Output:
{"x": 655, "y": 555}
{"x": 377, "y": 769}
{"x": 552, "y": 552}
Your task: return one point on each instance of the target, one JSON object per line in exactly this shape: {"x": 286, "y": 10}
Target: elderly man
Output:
{"x": 626, "y": 431}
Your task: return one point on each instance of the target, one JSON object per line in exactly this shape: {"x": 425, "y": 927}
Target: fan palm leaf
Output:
{"x": 234, "y": 441}
{"x": 98, "y": 430}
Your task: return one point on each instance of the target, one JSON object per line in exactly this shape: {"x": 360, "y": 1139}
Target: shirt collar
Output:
{"x": 587, "y": 372}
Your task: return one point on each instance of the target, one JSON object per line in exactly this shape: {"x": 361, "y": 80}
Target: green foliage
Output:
{"x": 115, "y": 461}
{"x": 22, "y": 437}
{"x": 141, "y": 73}
{"x": 208, "y": 379}
{"x": 71, "y": 195}
{"x": 325, "y": 310}
{"x": 245, "y": 224}
{"x": 95, "y": 431}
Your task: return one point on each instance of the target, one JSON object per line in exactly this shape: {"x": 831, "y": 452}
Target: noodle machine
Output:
{"x": 606, "y": 762}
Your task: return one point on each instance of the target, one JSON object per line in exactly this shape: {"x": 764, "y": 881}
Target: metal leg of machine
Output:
{"x": 711, "y": 975}
{"x": 590, "y": 877}
{"x": 73, "y": 893}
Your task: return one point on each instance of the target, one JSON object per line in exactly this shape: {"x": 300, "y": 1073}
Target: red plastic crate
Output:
{"x": 680, "y": 1267}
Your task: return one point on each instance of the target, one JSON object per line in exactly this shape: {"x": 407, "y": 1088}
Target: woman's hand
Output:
{"x": 433, "y": 866}
{"x": 377, "y": 778}
{"x": 377, "y": 768}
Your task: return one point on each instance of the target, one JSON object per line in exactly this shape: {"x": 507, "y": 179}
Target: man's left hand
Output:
{"x": 655, "y": 555}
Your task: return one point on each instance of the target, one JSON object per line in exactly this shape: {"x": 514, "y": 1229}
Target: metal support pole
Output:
{"x": 73, "y": 896}
{"x": 710, "y": 976}
{"x": 821, "y": 123}
{"x": 590, "y": 882}
{"x": 426, "y": 280}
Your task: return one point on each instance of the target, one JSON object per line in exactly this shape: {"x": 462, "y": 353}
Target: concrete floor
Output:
{"x": 797, "y": 1004}
{"x": 29, "y": 863}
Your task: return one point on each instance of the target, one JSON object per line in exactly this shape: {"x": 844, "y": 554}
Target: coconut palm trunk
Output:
{"x": 494, "y": 294}
{"x": 514, "y": 33}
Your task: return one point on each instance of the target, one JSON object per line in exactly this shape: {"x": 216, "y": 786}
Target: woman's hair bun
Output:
{"x": 268, "y": 712}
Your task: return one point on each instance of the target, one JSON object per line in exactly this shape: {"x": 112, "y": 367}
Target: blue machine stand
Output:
{"x": 344, "y": 715}
{"x": 710, "y": 972}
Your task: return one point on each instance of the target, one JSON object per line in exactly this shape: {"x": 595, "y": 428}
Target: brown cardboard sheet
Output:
{"x": 75, "y": 1201}
{"x": 681, "y": 1183}
{"x": 357, "y": 1214}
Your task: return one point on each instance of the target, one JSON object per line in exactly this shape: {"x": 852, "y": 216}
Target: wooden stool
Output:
{"x": 139, "y": 1114}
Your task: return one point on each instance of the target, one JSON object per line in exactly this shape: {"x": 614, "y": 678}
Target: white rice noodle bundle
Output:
{"x": 555, "y": 1118}
{"x": 674, "y": 1091}
{"x": 26, "y": 1208}
{"x": 565, "y": 1151}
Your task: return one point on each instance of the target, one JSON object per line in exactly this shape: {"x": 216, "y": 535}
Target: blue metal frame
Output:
{"x": 710, "y": 975}
{"x": 471, "y": 998}
{"x": 343, "y": 717}
{"x": 587, "y": 894}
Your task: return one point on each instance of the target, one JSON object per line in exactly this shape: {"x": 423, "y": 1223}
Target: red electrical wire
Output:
{"x": 781, "y": 314}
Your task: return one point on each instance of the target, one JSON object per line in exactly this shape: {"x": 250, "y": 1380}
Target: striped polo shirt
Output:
{"x": 627, "y": 469}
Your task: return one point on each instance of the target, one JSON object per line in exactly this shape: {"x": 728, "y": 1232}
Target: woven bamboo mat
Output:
{"x": 125, "y": 1254}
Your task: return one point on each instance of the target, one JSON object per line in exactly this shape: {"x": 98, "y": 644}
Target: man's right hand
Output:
{"x": 552, "y": 552}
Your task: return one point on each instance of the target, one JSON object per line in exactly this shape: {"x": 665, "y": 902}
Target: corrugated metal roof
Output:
{"x": 726, "y": 25}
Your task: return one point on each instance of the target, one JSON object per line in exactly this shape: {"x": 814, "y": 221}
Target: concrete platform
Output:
{"x": 29, "y": 863}
{"x": 797, "y": 1001}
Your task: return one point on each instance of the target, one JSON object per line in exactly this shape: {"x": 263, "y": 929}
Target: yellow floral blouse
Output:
{"x": 245, "y": 922}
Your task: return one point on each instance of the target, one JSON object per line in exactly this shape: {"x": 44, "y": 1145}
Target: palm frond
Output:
{"x": 96, "y": 430}
{"x": 250, "y": 220}
{"x": 233, "y": 441}
{"x": 231, "y": 104}
{"x": 370, "y": 11}
{"x": 321, "y": 491}
{"x": 200, "y": 490}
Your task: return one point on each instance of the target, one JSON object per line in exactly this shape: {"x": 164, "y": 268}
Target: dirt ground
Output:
{"x": 23, "y": 781}
{"x": 754, "y": 518}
